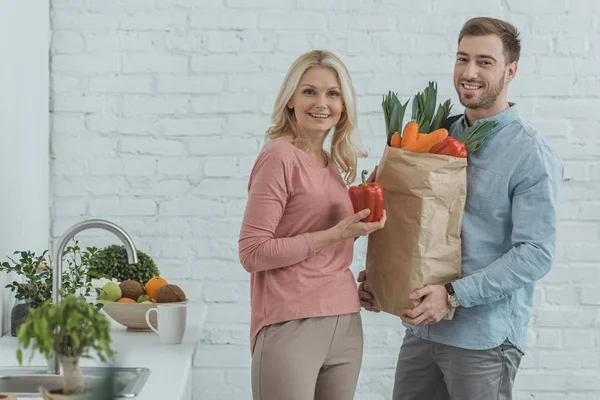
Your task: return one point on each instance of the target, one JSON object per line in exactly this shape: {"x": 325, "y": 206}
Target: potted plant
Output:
{"x": 111, "y": 262}
{"x": 36, "y": 287}
{"x": 72, "y": 329}
{"x": 34, "y": 290}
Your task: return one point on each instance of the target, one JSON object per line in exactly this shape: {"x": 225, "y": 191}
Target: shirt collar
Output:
{"x": 503, "y": 118}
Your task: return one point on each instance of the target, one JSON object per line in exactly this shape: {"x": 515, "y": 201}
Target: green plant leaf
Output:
{"x": 393, "y": 128}
{"x": 112, "y": 262}
{"x": 475, "y": 136}
{"x": 430, "y": 102}
{"x": 72, "y": 328}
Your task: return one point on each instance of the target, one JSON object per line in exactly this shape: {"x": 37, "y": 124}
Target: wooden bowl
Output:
{"x": 133, "y": 315}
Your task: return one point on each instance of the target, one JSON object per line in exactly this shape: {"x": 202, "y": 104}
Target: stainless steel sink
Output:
{"x": 24, "y": 381}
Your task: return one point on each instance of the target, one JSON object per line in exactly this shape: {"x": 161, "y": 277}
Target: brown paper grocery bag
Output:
{"x": 420, "y": 244}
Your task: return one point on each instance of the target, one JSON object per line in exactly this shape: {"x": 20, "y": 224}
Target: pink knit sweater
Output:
{"x": 289, "y": 197}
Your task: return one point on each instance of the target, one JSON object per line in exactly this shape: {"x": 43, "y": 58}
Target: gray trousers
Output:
{"x": 432, "y": 371}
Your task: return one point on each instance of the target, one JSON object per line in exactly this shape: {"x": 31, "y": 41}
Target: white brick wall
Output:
{"x": 159, "y": 108}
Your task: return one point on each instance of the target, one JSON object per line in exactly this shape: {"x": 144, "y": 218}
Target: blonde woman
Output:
{"x": 297, "y": 240}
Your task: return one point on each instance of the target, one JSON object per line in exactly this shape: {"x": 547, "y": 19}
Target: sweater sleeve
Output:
{"x": 268, "y": 192}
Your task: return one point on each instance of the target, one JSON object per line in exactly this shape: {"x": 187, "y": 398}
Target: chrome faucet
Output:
{"x": 53, "y": 363}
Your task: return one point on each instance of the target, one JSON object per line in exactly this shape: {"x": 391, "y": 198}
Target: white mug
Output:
{"x": 171, "y": 320}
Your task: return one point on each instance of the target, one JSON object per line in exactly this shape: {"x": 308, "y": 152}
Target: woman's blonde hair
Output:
{"x": 345, "y": 148}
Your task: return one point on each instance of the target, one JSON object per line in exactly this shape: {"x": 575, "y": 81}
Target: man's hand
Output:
{"x": 431, "y": 310}
{"x": 364, "y": 292}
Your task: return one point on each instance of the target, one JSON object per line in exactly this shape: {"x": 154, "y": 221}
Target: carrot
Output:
{"x": 396, "y": 140}
{"x": 409, "y": 135}
{"x": 421, "y": 136}
{"x": 425, "y": 144}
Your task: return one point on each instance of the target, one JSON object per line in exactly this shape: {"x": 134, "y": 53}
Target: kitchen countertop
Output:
{"x": 170, "y": 365}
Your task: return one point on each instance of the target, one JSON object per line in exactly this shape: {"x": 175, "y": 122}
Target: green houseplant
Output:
{"x": 36, "y": 272}
{"x": 72, "y": 329}
{"x": 111, "y": 262}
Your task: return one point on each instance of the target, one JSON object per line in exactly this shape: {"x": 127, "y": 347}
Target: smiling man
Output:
{"x": 508, "y": 239}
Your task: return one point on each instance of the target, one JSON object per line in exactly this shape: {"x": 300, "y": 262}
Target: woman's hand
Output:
{"x": 352, "y": 226}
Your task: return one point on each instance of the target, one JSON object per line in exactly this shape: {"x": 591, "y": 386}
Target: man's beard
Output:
{"x": 486, "y": 100}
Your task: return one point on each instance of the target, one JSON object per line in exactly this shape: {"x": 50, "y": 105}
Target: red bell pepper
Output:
{"x": 450, "y": 147}
{"x": 367, "y": 196}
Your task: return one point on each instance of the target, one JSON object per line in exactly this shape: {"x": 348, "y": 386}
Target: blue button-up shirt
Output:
{"x": 508, "y": 235}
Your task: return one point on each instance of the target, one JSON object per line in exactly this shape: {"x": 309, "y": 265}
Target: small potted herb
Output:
{"x": 72, "y": 329}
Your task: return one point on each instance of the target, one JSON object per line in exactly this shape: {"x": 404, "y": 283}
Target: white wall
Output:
{"x": 159, "y": 109}
{"x": 24, "y": 133}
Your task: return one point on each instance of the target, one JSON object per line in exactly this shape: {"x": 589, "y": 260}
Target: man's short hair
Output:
{"x": 482, "y": 26}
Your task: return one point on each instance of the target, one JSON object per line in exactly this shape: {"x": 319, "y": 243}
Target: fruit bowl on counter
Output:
{"x": 128, "y": 301}
{"x": 133, "y": 316}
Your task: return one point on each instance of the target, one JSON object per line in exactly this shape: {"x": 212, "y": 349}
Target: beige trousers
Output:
{"x": 308, "y": 359}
